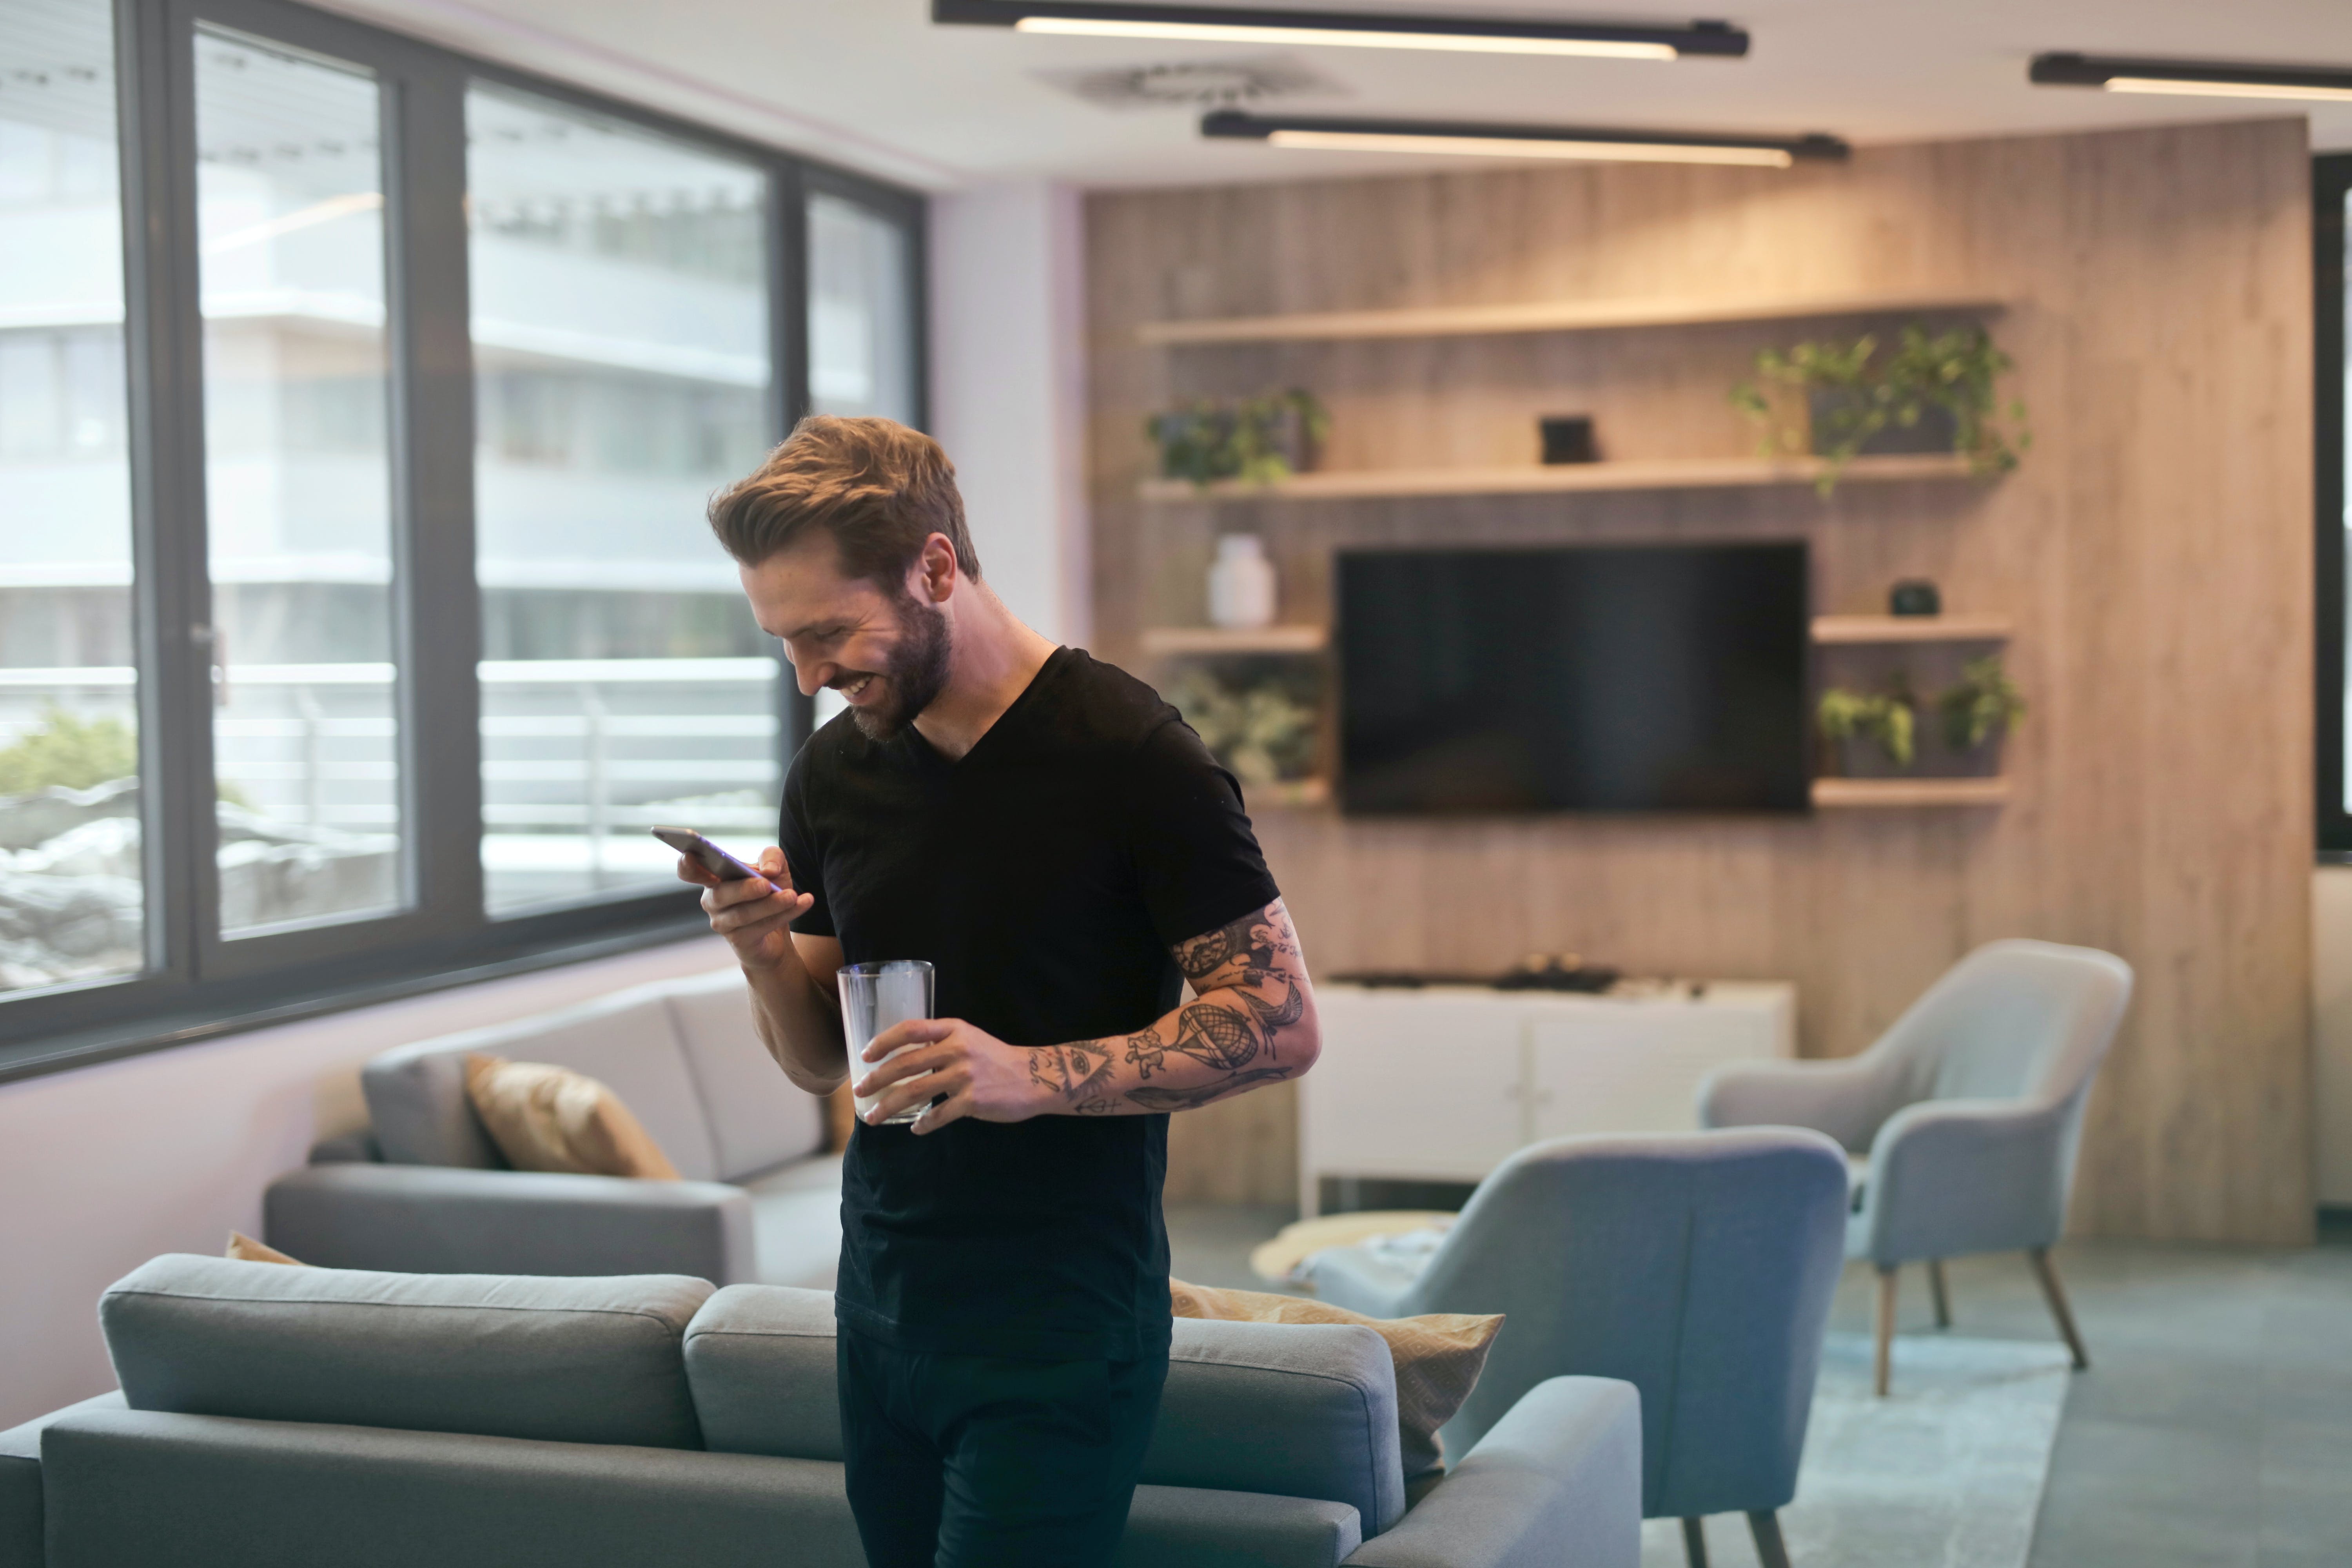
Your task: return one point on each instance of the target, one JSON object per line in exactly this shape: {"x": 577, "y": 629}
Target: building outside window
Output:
{"x": 358, "y": 613}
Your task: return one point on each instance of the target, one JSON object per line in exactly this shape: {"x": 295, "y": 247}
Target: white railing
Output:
{"x": 585, "y": 749}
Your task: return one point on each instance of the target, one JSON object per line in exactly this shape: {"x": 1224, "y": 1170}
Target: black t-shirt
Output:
{"x": 1045, "y": 875}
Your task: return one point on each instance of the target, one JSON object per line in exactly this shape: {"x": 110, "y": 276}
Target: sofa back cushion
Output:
{"x": 760, "y": 1361}
{"x": 758, "y": 1118}
{"x": 417, "y": 1093}
{"x": 560, "y": 1360}
{"x": 1304, "y": 1410}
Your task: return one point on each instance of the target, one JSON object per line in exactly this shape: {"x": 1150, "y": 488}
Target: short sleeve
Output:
{"x": 802, "y": 856}
{"x": 1194, "y": 854}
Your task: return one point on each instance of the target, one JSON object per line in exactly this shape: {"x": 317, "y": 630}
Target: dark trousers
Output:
{"x": 976, "y": 1461}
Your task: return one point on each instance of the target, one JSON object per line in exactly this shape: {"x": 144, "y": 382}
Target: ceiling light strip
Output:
{"x": 2195, "y": 78}
{"x": 1385, "y": 30}
{"x": 1578, "y": 143}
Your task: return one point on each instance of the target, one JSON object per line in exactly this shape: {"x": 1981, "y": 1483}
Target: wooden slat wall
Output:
{"x": 2153, "y": 552}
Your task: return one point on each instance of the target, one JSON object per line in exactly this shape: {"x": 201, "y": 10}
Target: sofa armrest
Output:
{"x": 1846, "y": 1099}
{"x": 1949, "y": 1177}
{"x": 20, "y": 1481}
{"x": 438, "y": 1219}
{"x": 1557, "y": 1482}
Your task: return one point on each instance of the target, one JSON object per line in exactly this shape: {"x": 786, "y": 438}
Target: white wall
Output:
{"x": 1008, "y": 391}
{"x": 102, "y": 1168}
{"x": 2331, "y": 1016}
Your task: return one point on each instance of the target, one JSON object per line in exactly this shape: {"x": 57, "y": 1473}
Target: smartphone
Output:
{"x": 714, "y": 859}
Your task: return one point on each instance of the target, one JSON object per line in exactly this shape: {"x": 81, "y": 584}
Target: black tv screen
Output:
{"x": 1656, "y": 677}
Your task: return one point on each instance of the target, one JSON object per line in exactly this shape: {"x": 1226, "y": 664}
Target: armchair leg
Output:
{"x": 1695, "y": 1542}
{"x": 1883, "y": 1365}
{"x": 2045, "y": 1268}
{"x": 1771, "y": 1552}
{"x": 1940, "y": 1292}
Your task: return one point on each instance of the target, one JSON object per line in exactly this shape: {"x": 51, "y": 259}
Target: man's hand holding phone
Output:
{"x": 753, "y": 913}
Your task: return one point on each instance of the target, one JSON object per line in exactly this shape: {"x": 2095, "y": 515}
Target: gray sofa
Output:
{"x": 286, "y": 1417}
{"x": 426, "y": 1192}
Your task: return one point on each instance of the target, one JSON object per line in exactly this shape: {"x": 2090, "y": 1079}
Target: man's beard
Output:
{"x": 914, "y": 675}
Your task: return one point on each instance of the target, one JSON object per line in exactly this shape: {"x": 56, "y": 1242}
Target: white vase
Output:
{"x": 1241, "y": 583}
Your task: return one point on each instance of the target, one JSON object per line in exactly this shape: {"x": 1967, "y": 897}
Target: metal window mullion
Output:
{"x": 437, "y": 605}
{"x": 163, "y": 333}
{"x": 2331, "y": 275}
{"x": 788, "y": 306}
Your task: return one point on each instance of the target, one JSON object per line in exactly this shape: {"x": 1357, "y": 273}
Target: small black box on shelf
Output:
{"x": 1568, "y": 438}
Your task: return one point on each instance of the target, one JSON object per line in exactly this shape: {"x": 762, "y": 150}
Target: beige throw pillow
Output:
{"x": 245, "y": 1250}
{"x": 551, "y": 1119}
{"x": 1437, "y": 1357}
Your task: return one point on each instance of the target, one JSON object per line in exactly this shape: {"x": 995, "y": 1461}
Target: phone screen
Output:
{"x": 714, "y": 859}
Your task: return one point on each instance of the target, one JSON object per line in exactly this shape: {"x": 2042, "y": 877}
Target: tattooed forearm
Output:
{"x": 1252, "y": 1023}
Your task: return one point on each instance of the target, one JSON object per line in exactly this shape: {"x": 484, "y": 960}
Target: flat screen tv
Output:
{"x": 1647, "y": 678}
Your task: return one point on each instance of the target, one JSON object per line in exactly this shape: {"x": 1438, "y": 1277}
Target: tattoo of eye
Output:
{"x": 1072, "y": 1070}
{"x": 1254, "y": 939}
{"x": 1152, "y": 1098}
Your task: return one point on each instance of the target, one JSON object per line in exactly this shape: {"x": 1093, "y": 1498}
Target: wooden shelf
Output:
{"x": 1910, "y": 628}
{"x": 1162, "y": 642}
{"x": 1550, "y": 315}
{"x": 1659, "y": 474}
{"x": 1835, "y": 793}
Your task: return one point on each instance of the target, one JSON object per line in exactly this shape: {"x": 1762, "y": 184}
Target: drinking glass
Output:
{"x": 874, "y": 997}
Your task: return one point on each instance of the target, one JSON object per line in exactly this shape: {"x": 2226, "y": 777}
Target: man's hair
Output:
{"x": 877, "y": 487}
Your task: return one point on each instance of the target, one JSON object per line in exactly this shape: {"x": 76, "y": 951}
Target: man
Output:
{"x": 1051, "y": 837}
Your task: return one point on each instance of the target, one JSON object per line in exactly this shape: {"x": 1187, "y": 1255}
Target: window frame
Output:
{"x": 195, "y": 984}
{"x": 2331, "y": 184}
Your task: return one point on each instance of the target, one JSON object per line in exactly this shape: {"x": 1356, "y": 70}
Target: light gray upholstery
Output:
{"x": 760, "y": 1361}
{"x": 20, "y": 1481}
{"x": 195, "y": 1491}
{"x": 1180, "y": 1527}
{"x": 425, "y": 1219}
{"x": 1558, "y": 1480}
{"x": 283, "y": 1475}
{"x": 758, "y": 1119}
{"x": 1971, "y": 1106}
{"x": 416, "y": 1094}
{"x": 1300, "y": 1409}
{"x": 426, "y": 1191}
{"x": 578, "y": 1360}
{"x": 1697, "y": 1267}
{"x": 1293, "y": 1410}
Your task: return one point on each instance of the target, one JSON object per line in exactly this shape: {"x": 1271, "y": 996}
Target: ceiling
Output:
{"x": 873, "y": 84}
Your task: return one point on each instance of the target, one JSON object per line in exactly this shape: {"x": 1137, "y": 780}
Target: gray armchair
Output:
{"x": 1697, "y": 1267}
{"x": 1961, "y": 1122}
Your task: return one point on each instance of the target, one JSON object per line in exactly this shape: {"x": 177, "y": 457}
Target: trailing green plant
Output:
{"x": 1253, "y": 440}
{"x": 1264, "y": 733}
{"x": 1985, "y": 703}
{"x": 1954, "y": 371}
{"x": 1887, "y": 718}
{"x": 68, "y": 752}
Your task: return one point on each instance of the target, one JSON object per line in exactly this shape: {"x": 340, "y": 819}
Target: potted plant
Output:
{"x": 1838, "y": 400}
{"x": 1875, "y": 733}
{"x": 1257, "y": 440}
{"x": 1262, "y": 729}
{"x": 1976, "y": 714}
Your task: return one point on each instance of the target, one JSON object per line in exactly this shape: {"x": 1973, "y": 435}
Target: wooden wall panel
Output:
{"x": 2154, "y": 550}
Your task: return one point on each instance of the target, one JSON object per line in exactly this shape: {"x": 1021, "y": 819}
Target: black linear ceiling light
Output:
{"x": 1478, "y": 140}
{"x": 2197, "y": 79}
{"x": 1374, "y": 30}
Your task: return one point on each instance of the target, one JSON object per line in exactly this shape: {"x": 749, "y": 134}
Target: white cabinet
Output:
{"x": 1444, "y": 1083}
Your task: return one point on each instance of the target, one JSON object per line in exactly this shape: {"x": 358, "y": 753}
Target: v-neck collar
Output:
{"x": 934, "y": 760}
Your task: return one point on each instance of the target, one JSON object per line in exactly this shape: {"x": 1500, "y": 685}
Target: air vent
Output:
{"x": 1198, "y": 84}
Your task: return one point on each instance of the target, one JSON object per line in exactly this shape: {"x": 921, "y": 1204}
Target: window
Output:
{"x": 357, "y": 610}
{"x": 298, "y": 485}
{"x": 623, "y": 373}
{"x": 72, "y": 907}
{"x": 2332, "y": 408}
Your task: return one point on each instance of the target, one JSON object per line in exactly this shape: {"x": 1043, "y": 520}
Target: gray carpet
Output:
{"x": 1946, "y": 1472}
